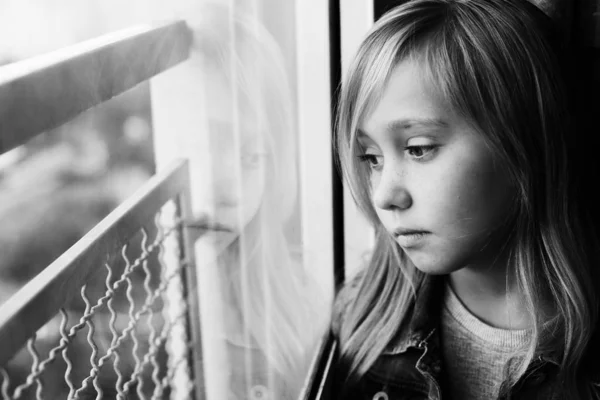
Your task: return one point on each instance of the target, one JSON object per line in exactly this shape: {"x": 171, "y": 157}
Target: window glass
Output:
{"x": 232, "y": 110}
{"x": 263, "y": 310}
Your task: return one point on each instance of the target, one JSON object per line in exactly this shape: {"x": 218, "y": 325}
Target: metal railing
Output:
{"x": 124, "y": 294}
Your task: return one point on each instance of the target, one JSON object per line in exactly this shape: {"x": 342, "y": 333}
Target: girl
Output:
{"x": 452, "y": 134}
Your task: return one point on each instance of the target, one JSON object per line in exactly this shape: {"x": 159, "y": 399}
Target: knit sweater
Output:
{"x": 474, "y": 352}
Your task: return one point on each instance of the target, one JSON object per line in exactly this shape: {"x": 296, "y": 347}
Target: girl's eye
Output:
{"x": 374, "y": 161}
{"x": 420, "y": 152}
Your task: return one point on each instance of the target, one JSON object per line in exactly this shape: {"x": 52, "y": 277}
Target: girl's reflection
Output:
{"x": 272, "y": 311}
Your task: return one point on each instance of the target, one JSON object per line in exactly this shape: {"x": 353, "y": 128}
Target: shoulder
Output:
{"x": 343, "y": 302}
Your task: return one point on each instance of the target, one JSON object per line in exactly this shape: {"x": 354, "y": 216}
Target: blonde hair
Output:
{"x": 494, "y": 62}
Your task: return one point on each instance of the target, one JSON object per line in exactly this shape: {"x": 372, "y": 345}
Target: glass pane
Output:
{"x": 240, "y": 110}
{"x": 249, "y": 219}
{"x": 232, "y": 110}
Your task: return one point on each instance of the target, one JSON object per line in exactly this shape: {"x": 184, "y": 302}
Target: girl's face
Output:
{"x": 238, "y": 159}
{"x": 435, "y": 185}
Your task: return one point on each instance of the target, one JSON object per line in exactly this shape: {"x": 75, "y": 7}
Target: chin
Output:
{"x": 432, "y": 265}
{"x": 217, "y": 241}
{"x": 433, "y": 270}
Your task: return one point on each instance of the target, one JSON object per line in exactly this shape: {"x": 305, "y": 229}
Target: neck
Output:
{"x": 491, "y": 294}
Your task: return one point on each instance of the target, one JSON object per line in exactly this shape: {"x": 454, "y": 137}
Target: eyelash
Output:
{"x": 426, "y": 149}
{"x": 367, "y": 158}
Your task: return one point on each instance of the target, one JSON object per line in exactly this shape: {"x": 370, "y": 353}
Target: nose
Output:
{"x": 226, "y": 189}
{"x": 226, "y": 180}
{"x": 390, "y": 191}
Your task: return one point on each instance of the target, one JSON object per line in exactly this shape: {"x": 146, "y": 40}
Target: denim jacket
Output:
{"x": 411, "y": 366}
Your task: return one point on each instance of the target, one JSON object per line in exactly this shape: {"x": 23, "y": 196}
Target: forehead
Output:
{"x": 408, "y": 100}
{"x": 227, "y": 100}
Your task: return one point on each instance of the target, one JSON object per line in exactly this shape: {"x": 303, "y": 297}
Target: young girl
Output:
{"x": 453, "y": 131}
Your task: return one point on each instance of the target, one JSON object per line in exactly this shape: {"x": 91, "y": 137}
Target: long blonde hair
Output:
{"x": 495, "y": 63}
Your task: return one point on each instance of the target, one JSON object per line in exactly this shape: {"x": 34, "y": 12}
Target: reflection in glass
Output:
{"x": 270, "y": 313}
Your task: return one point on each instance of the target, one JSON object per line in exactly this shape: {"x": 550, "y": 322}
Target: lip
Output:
{"x": 205, "y": 223}
{"x": 406, "y": 232}
{"x": 407, "y": 238}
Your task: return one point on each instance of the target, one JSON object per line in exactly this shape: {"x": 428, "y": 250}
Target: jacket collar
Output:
{"x": 423, "y": 319}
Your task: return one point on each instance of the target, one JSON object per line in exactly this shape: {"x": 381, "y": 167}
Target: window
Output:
{"x": 262, "y": 219}
{"x": 250, "y": 109}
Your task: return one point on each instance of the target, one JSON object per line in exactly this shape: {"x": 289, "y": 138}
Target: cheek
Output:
{"x": 385, "y": 217}
{"x": 475, "y": 195}
{"x": 253, "y": 191}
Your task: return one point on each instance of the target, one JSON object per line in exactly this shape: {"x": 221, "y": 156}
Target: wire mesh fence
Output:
{"x": 111, "y": 318}
{"x": 124, "y": 335}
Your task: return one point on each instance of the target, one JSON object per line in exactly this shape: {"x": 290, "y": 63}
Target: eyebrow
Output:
{"x": 409, "y": 123}
{"x": 403, "y": 124}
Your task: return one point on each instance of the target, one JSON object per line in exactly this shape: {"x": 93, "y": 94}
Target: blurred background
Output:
{"x": 58, "y": 186}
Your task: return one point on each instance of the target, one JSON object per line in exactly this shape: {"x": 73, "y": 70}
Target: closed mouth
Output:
{"x": 206, "y": 224}
{"x": 409, "y": 232}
